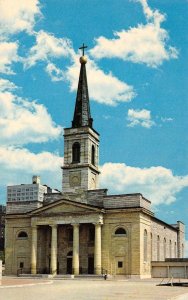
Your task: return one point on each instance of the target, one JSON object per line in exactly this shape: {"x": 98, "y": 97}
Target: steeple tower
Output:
{"x": 81, "y": 142}
{"x": 82, "y": 116}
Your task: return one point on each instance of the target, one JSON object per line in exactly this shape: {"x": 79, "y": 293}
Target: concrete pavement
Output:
{"x": 98, "y": 289}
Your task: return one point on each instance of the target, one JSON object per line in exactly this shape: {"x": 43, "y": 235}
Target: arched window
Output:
{"x": 145, "y": 245}
{"x": 170, "y": 248}
{"x": 175, "y": 250}
{"x": 164, "y": 248}
{"x": 93, "y": 155}
{"x": 76, "y": 152}
{"x": 182, "y": 246}
{"x": 151, "y": 247}
{"x": 70, "y": 254}
{"x": 22, "y": 234}
{"x": 120, "y": 231}
{"x": 158, "y": 247}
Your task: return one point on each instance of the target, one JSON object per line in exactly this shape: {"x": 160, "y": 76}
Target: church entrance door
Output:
{"x": 69, "y": 262}
{"x": 90, "y": 265}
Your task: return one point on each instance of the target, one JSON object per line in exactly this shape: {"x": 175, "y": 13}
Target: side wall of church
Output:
{"x": 164, "y": 241}
{"x": 17, "y": 249}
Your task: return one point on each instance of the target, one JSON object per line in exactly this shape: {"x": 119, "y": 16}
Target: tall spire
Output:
{"x": 82, "y": 116}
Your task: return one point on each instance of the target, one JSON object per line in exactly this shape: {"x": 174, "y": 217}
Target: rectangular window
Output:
{"x": 120, "y": 264}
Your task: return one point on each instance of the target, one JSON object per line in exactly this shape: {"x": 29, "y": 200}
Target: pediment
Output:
{"x": 64, "y": 207}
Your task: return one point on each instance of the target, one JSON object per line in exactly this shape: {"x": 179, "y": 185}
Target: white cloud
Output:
{"x": 22, "y": 122}
{"x": 47, "y": 47}
{"x": 140, "y": 117}
{"x": 8, "y": 55}
{"x": 54, "y": 72}
{"x": 6, "y": 85}
{"x": 157, "y": 184}
{"x": 103, "y": 87}
{"x": 165, "y": 119}
{"x": 18, "y": 165}
{"x": 18, "y": 15}
{"x": 142, "y": 44}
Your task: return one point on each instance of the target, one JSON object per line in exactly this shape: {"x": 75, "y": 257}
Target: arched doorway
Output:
{"x": 69, "y": 262}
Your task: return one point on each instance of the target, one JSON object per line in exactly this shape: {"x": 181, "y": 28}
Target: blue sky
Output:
{"x": 137, "y": 77}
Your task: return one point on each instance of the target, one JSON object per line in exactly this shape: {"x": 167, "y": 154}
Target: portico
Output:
{"x": 66, "y": 246}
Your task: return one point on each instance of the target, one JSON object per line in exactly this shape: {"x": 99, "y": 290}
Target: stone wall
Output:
{"x": 123, "y": 201}
{"x": 17, "y": 250}
{"x": 121, "y": 249}
{"x": 163, "y": 236}
{"x": 22, "y": 206}
{"x": 80, "y": 175}
{"x": 1, "y": 269}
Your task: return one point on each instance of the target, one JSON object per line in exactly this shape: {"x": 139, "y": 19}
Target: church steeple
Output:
{"x": 82, "y": 115}
{"x": 81, "y": 142}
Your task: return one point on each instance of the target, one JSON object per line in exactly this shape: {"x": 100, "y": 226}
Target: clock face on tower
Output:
{"x": 75, "y": 179}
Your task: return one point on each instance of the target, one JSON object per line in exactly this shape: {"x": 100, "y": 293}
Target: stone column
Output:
{"x": 54, "y": 250}
{"x": 34, "y": 250}
{"x": 97, "y": 254}
{"x": 75, "y": 249}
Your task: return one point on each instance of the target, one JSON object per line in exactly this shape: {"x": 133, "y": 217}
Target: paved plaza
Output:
{"x": 88, "y": 289}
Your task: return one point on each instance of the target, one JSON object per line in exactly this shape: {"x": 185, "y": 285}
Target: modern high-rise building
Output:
{"x": 27, "y": 195}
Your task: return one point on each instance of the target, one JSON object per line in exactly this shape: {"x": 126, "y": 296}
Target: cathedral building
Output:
{"x": 83, "y": 230}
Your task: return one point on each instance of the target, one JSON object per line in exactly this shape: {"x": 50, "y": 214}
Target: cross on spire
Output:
{"x": 82, "y": 48}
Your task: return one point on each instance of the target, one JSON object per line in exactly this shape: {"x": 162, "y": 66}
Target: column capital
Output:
{"x": 97, "y": 224}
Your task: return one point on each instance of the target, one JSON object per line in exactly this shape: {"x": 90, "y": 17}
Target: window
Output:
{"x": 158, "y": 247}
{"x": 170, "y": 248}
{"x": 76, "y": 153}
{"x": 70, "y": 254}
{"x": 120, "y": 264}
{"x": 145, "y": 245}
{"x": 164, "y": 246}
{"x": 151, "y": 247}
{"x": 93, "y": 155}
{"x": 175, "y": 250}
{"x": 120, "y": 231}
{"x": 21, "y": 265}
{"x": 22, "y": 234}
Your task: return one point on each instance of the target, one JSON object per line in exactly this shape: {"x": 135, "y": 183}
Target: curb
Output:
{"x": 24, "y": 285}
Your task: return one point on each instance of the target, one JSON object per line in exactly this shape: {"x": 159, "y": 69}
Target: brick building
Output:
{"x": 83, "y": 230}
